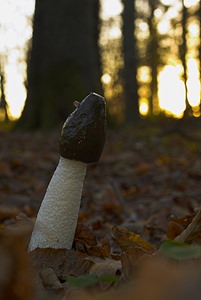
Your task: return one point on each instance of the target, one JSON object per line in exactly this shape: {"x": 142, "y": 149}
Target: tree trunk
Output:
{"x": 64, "y": 61}
{"x": 183, "y": 54}
{"x": 153, "y": 58}
{"x": 130, "y": 63}
{"x": 3, "y": 103}
{"x": 199, "y": 14}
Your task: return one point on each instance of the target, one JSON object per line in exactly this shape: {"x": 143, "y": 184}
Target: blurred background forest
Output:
{"x": 142, "y": 55}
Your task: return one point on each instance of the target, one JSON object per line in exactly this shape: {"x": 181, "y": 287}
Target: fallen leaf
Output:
{"x": 85, "y": 235}
{"x": 130, "y": 260}
{"x": 173, "y": 230}
{"x": 126, "y": 239}
{"x": 193, "y": 230}
{"x": 49, "y": 279}
{"x": 108, "y": 272}
{"x": 7, "y": 212}
{"x": 142, "y": 168}
{"x": 81, "y": 266}
{"x": 180, "y": 251}
{"x": 101, "y": 250}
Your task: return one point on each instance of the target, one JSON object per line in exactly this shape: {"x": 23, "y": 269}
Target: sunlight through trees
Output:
{"x": 168, "y": 47}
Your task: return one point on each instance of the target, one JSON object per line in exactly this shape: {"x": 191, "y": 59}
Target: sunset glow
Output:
{"x": 15, "y": 30}
{"x": 171, "y": 91}
{"x": 15, "y": 91}
{"x": 143, "y": 107}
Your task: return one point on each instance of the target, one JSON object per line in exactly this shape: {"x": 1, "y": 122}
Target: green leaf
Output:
{"x": 90, "y": 280}
{"x": 83, "y": 281}
{"x": 180, "y": 251}
{"x": 109, "y": 279}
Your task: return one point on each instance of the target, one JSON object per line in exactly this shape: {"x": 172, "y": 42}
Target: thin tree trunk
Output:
{"x": 153, "y": 59}
{"x": 3, "y": 103}
{"x": 130, "y": 63}
{"x": 183, "y": 56}
{"x": 199, "y": 14}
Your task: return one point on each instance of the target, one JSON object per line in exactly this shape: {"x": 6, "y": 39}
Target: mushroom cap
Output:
{"x": 83, "y": 133}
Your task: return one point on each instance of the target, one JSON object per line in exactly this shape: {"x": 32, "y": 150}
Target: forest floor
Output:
{"x": 144, "y": 191}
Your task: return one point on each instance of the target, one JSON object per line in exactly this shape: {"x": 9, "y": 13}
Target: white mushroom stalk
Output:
{"x": 82, "y": 141}
{"x": 57, "y": 217}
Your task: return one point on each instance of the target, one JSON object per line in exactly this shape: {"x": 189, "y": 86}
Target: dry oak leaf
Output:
{"x": 7, "y": 212}
{"x": 128, "y": 239}
{"x": 86, "y": 242}
{"x": 85, "y": 235}
{"x": 49, "y": 279}
{"x": 177, "y": 225}
{"x": 107, "y": 268}
{"x": 101, "y": 250}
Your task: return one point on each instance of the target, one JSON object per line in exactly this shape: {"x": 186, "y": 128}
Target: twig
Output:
{"x": 193, "y": 228}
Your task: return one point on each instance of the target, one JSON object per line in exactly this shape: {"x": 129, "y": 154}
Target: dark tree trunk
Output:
{"x": 153, "y": 58}
{"x": 64, "y": 63}
{"x": 3, "y": 103}
{"x": 199, "y": 14}
{"x": 130, "y": 63}
{"x": 183, "y": 54}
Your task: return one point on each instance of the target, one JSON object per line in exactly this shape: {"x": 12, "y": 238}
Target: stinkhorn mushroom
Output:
{"x": 81, "y": 142}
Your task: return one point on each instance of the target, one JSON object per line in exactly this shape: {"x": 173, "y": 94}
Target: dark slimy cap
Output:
{"x": 83, "y": 133}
